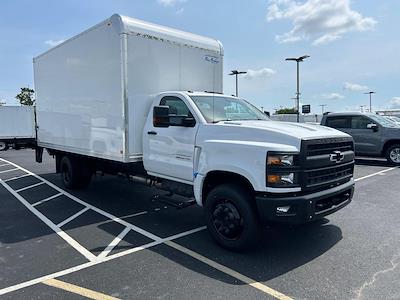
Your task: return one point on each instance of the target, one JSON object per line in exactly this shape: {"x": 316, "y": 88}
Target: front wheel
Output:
{"x": 393, "y": 154}
{"x": 231, "y": 217}
{"x": 3, "y": 146}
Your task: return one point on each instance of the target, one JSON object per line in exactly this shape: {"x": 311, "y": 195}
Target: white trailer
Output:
{"x": 95, "y": 90}
{"x": 145, "y": 101}
{"x": 17, "y": 126}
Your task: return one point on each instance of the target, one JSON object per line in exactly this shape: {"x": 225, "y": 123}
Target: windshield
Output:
{"x": 215, "y": 109}
{"x": 393, "y": 118}
{"x": 383, "y": 121}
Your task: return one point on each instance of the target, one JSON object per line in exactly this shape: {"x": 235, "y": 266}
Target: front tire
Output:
{"x": 231, "y": 218}
{"x": 393, "y": 154}
{"x": 3, "y": 146}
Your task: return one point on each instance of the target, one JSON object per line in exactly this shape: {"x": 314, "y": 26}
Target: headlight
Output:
{"x": 281, "y": 179}
{"x": 281, "y": 170}
{"x": 280, "y": 160}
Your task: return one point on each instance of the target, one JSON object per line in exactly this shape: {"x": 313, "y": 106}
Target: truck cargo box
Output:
{"x": 17, "y": 122}
{"x": 94, "y": 90}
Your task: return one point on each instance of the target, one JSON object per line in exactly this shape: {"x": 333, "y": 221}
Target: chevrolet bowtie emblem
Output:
{"x": 336, "y": 156}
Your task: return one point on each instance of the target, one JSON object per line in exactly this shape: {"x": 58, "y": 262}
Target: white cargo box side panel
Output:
{"x": 158, "y": 65}
{"x": 79, "y": 95}
{"x": 17, "y": 122}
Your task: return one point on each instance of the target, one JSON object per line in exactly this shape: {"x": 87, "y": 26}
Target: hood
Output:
{"x": 297, "y": 130}
{"x": 276, "y": 136}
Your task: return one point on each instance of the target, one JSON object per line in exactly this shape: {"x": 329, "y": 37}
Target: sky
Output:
{"x": 352, "y": 45}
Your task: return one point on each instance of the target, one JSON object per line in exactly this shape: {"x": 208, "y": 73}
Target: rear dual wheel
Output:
{"x": 3, "y": 146}
{"x": 231, "y": 218}
{"x": 75, "y": 173}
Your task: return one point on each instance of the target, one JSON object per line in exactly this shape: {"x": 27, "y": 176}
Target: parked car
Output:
{"x": 373, "y": 135}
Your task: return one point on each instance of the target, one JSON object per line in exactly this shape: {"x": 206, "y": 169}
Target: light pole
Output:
{"x": 370, "y": 99}
{"x": 298, "y": 60}
{"x": 322, "y": 107}
{"x": 236, "y": 73}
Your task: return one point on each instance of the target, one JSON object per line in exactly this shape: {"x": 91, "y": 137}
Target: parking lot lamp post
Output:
{"x": 323, "y": 107}
{"x": 298, "y": 60}
{"x": 236, "y": 73}
{"x": 370, "y": 99}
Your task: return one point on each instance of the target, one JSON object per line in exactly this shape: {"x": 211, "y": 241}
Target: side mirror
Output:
{"x": 161, "y": 116}
{"x": 372, "y": 126}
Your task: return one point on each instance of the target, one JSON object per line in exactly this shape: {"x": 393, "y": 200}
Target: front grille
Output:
{"x": 319, "y": 171}
{"x": 329, "y": 175}
{"x": 320, "y": 148}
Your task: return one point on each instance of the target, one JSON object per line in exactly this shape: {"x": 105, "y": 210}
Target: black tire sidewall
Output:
{"x": 243, "y": 201}
{"x": 66, "y": 165}
{"x": 5, "y": 147}
{"x": 388, "y": 154}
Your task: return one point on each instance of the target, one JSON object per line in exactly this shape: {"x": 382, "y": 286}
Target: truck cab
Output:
{"x": 373, "y": 135}
{"x": 243, "y": 167}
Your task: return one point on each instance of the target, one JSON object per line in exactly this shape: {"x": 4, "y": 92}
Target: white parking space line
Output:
{"x": 157, "y": 241}
{"x": 229, "y": 271}
{"x": 135, "y": 214}
{"x": 93, "y": 263}
{"x": 49, "y": 223}
{"x": 3, "y": 165}
{"x": 66, "y": 221}
{"x": 114, "y": 243}
{"x": 10, "y": 170}
{"x": 29, "y": 187}
{"x": 47, "y": 199}
{"x": 374, "y": 174}
{"x": 17, "y": 177}
{"x": 102, "y": 212}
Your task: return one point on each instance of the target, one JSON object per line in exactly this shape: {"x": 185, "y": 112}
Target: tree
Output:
{"x": 25, "y": 97}
{"x": 2, "y": 102}
{"x": 286, "y": 110}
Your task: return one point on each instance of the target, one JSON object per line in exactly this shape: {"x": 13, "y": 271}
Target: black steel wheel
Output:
{"x": 231, "y": 218}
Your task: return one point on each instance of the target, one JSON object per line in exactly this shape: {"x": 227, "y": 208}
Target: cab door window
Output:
{"x": 338, "y": 122}
{"x": 176, "y": 106}
{"x": 360, "y": 122}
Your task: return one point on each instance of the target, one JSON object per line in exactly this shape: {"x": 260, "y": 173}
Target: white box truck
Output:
{"x": 17, "y": 127}
{"x": 144, "y": 100}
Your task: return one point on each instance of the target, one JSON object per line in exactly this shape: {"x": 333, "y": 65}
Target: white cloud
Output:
{"x": 260, "y": 73}
{"x": 180, "y": 11}
{"x": 323, "y": 21}
{"x": 395, "y": 102}
{"x": 332, "y": 96}
{"x": 169, "y": 2}
{"x": 53, "y": 43}
{"x": 354, "y": 87}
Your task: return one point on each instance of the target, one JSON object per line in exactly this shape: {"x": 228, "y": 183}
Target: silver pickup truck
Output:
{"x": 373, "y": 135}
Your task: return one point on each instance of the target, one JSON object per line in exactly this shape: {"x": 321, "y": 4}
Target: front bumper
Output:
{"x": 303, "y": 208}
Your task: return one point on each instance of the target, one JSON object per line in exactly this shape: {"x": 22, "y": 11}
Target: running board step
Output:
{"x": 167, "y": 199}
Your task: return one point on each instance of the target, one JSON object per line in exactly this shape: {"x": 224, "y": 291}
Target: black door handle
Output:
{"x": 151, "y": 132}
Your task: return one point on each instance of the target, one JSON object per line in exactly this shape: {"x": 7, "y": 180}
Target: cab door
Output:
{"x": 367, "y": 141}
{"x": 169, "y": 151}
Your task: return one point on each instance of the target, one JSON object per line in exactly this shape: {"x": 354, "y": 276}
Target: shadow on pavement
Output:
{"x": 281, "y": 249}
{"x": 366, "y": 161}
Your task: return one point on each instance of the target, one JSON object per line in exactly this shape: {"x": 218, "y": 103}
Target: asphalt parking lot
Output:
{"x": 113, "y": 240}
